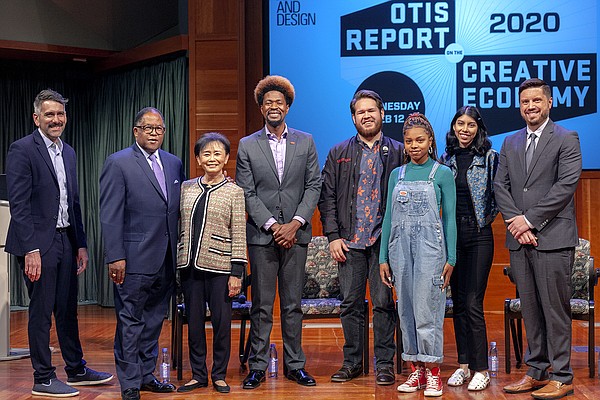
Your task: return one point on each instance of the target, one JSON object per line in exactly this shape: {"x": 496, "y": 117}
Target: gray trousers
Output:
{"x": 273, "y": 266}
{"x": 543, "y": 280}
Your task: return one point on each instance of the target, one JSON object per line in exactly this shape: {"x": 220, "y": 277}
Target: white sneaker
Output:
{"x": 459, "y": 377}
{"x": 435, "y": 387}
{"x": 416, "y": 380}
{"x": 480, "y": 381}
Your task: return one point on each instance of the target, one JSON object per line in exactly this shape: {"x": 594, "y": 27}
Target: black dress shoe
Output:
{"x": 347, "y": 373}
{"x": 130, "y": 394}
{"x": 188, "y": 388}
{"x": 301, "y": 377}
{"x": 158, "y": 387}
{"x": 222, "y": 388}
{"x": 254, "y": 378}
{"x": 385, "y": 376}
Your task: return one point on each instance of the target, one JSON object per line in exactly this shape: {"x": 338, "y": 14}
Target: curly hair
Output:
{"x": 274, "y": 82}
{"x": 418, "y": 120}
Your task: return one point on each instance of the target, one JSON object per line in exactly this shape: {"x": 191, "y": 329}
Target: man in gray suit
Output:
{"x": 278, "y": 168}
{"x": 537, "y": 176}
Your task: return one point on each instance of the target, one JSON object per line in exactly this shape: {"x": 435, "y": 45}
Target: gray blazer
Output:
{"x": 266, "y": 197}
{"x": 545, "y": 194}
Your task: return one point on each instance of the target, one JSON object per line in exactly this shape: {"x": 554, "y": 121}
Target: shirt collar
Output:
{"x": 538, "y": 131}
{"x": 49, "y": 143}
{"x": 146, "y": 154}
{"x": 363, "y": 144}
{"x": 272, "y": 136}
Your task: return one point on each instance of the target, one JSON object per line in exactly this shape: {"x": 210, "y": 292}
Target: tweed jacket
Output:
{"x": 480, "y": 179}
{"x": 223, "y": 233}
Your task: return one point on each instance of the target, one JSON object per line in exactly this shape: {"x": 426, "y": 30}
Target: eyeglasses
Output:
{"x": 147, "y": 129}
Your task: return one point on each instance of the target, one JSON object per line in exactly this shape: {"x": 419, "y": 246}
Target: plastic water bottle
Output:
{"x": 493, "y": 359}
{"x": 165, "y": 366}
{"x": 273, "y": 361}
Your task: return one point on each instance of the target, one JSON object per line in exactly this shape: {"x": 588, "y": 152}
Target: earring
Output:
{"x": 430, "y": 151}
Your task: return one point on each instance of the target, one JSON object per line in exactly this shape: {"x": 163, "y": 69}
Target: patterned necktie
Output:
{"x": 160, "y": 177}
{"x": 530, "y": 150}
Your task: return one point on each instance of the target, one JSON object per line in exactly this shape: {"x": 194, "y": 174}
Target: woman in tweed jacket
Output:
{"x": 211, "y": 256}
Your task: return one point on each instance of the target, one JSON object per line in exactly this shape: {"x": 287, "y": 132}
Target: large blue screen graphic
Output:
{"x": 434, "y": 57}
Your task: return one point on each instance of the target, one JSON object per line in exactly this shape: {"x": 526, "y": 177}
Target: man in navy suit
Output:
{"x": 47, "y": 237}
{"x": 535, "y": 184}
{"x": 139, "y": 211}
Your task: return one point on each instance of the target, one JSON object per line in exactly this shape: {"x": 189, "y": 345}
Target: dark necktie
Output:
{"x": 160, "y": 177}
{"x": 530, "y": 150}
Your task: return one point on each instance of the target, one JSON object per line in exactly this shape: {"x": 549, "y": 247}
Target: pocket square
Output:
{"x": 176, "y": 181}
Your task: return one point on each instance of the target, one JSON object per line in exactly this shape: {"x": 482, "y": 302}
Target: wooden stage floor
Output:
{"x": 323, "y": 341}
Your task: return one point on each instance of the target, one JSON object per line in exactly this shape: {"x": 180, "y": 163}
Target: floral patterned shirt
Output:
{"x": 368, "y": 198}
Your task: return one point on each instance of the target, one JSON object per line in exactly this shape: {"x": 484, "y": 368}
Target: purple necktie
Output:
{"x": 160, "y": 177}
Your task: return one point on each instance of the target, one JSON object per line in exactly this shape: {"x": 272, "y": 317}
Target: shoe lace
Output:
{"x": 433, "y": 381}
{"x": 413, "y": 378}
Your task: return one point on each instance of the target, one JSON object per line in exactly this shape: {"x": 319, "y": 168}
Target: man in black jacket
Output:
{"x": 352, "y": 205}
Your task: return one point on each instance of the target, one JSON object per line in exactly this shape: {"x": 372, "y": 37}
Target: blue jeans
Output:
{"x": 359, "y": 266}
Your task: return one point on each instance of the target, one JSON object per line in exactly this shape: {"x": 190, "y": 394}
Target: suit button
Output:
{"x": 55, "y": 217}
{"x": 524, "y": 189}
{"x": 166, "y": 233}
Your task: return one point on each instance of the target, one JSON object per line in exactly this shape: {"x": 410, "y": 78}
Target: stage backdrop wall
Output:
{"x": 100, "y": 118}
{"x": 434, "y": 57}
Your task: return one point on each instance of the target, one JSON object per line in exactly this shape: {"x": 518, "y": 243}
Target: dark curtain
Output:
{"x": 100, "y": 116}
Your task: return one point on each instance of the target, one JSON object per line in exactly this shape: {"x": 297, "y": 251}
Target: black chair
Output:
{"x": 583, "y": 279}
{"x": 240, "y": 312}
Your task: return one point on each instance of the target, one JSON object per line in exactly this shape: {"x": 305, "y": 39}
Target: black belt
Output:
{"x": 62, "y": 230}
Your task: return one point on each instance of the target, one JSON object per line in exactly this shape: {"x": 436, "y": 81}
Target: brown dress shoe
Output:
{"x": 553, "y": 390}
{"x": 526, "y": 384}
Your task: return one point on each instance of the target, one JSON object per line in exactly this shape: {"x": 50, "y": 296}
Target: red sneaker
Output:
{"x": 434, "y": 383}
{"x": 416, "y": 380}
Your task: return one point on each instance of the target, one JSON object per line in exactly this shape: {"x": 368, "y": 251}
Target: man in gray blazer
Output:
{"x": 278, "y": 168}
{"x": 537, "y": 176}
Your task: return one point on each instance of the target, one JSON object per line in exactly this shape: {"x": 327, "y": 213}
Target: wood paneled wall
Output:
{"x": 217, "y": 73}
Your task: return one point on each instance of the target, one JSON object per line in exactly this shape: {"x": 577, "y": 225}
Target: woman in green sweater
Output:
{"x": 418, "y": 252}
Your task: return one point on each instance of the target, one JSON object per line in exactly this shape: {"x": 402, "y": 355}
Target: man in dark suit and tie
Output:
{"x": 47, "y": 237}
{"x": 537, "y": 176}
{"x": 139, "y": 211}
{"x": 278, "y": 168}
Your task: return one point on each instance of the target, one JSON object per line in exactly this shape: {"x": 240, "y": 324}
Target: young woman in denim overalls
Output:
{"x": 418, "y": 249}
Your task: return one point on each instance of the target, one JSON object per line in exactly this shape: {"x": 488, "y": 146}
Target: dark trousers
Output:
{"x": 55, "y": 292}
{"x": 141, "y": 304}
{"x": 199, "y": 288}
{"x": 475, "y": 253}
{"x": 359, "y": 266}
{"x": 544, "y": 282}
{"x": 273, "y": 266}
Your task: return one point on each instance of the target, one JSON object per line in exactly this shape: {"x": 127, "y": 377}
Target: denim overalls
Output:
{"x": 417, "y": 254}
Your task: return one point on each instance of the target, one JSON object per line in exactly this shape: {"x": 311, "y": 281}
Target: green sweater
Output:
{"x": 445, "y": 193}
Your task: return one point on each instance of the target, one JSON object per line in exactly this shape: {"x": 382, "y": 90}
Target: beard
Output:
{"x": 274, "y": 123}
{"x": 370, "y": 132}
